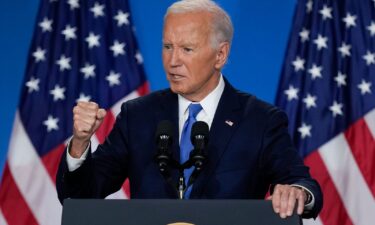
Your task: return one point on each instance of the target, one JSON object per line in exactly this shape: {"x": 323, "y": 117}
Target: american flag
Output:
{"x": 327, "y": 90}
{"x": 81, "y": 50}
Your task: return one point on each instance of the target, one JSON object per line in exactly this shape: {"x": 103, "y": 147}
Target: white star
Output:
{"x": 321, "y": 42}
{"x": 292, "y": 93}
{"x": 58, "y": 93}
{"x": 310, "y": 101}
{"x": 309, "y": 6}
{"x": 73, "y": 4}
{"x": 344, "y": 49}
{"x": 365, "y": 87}
{"x": 39, "y": 54}
{"x": 33, "y": 84}
{"x": 315, "y": 71}
{"x": 98, "y": 10}
{"x": 349, "y": 20}
{"x": 83, "y": 98}
{"x": 93, "y": 40}
{"x": 340, "y": 79}
{"x": 69, "y": 32}
{"x": 336, "y": 109}
{"x": 305, "y": 130}
{"x": 304, "y": 34}
{"x": 298, "y": 64}
{"x": 369, "y": 58}
{"x": 64, "y": 63}
{"x": 371, "y": 28}
{"x": 138, "y": 57}
{"x": 122, "y": 18}
{"x": 46, "y": 24}
{"x": 51, "y": 123}
{"x": 88, "y": 70}
{"x": 113, "y": 78}
{"x": 326, "y": 12}
{"x": 118, "y": 48}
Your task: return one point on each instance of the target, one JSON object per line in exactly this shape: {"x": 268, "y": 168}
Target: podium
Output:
{"x": 172, "y": 212}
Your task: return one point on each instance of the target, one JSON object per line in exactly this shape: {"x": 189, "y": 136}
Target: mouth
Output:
{"x": 175, "y": 77}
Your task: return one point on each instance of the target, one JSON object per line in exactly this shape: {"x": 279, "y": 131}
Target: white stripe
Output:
{"x": 94, "y": 143}
{"x": 116, "y": 108}
{"x": 120, "y": 194}
{"x": 349, "y": 182}
{"x": 2, "y": 219}
{"x": 317, "y": 221}
{"x": 31, "y": 177}
{"x": 370, "y": 120}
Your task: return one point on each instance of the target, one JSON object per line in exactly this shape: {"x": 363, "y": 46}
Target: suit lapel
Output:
{"x": 226, "y": 120}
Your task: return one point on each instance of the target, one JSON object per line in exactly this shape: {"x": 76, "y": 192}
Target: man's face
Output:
{"x": 191, "y": 64}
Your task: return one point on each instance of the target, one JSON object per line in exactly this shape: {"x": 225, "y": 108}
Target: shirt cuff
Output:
{"x": 311, "y": 204}
{"x": 74, "y": 163}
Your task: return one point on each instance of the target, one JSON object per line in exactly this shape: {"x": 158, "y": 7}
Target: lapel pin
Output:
{"x": 230, "y": 123}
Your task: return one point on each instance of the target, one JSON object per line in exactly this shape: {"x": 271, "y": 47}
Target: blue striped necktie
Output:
{"x": 185, "y": 144}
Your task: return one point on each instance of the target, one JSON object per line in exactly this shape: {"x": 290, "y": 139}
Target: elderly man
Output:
{"x": 249, "y": 151}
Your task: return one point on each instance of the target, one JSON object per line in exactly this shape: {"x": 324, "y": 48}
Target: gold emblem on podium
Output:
{"x": 180, "y": 223}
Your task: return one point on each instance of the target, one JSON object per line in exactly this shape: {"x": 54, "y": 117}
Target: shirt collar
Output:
{"x": 209, "y": 103}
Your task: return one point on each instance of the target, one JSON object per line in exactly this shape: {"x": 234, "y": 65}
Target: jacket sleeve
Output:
{"x": 103, "y": 171}
{"x": 282, "y": 163}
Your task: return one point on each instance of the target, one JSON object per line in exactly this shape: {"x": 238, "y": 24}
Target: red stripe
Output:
{"x": 333, "y": 212}
{"x": 51, "y": 160}
{"x": 126, "y": 188}
{"x": 13, "y": 206}
{"x": 106, "y": 127}
{"x": 144, "y": 89}
{"x": 362, "y": 144}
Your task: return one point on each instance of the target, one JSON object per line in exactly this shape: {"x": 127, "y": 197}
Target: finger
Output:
{"x": 101, "y": 114}
{"x": 276, "y": 199}
{"x": 269, "y": 197}
{"x": 284, "y": 202}
{"x": 90, "y": 120}
{"x": 301, "y": 202}
{"x": 291, "y": 202}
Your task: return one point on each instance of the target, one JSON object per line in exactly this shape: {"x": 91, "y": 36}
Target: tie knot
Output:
{"x": 194, "y": 109}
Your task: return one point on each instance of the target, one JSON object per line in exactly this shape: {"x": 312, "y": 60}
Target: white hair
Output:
{"x": 221, "y": 23}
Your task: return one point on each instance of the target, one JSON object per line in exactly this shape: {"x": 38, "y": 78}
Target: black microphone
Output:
{"x": 199, "y": 139}
{"x": 164, "y": 139}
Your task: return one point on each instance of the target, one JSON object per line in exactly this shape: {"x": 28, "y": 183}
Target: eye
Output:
{"x": 188, "y": 49}
{"x": 167, "y": 46}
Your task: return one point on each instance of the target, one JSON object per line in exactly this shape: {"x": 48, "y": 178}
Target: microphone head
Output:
{"x": 165, "y": 128}
{"x": 199, "y": 130}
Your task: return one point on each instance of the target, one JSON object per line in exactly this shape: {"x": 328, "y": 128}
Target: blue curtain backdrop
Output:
{"x": 260, "y": 38}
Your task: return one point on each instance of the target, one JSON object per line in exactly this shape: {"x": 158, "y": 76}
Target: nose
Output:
{"x": 175, "y": 59}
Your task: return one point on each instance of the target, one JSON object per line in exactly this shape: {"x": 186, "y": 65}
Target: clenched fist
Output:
{"x": 87, "y": 117}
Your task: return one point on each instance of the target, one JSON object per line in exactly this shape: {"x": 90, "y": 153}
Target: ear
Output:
{"x": 222, "y": 55}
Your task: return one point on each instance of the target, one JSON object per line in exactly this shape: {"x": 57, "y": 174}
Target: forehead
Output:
{"x": 184, "y": 26}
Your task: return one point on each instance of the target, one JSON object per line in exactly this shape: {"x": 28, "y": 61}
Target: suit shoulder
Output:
{"x": 255, "y": 106}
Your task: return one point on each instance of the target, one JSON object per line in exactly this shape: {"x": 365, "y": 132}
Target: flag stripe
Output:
{"x": 317, "y": 221}
{"x": 52, "y": 159}
{"x": 333, "y": 211}
{"x": 32, "y": 178}
{"x": 14, "y": 208}
{"x": 2, "y": 219}
{"x": 348, "y": 180}
{"x": 362, "y": 144}
{"x": 370, "y": 120}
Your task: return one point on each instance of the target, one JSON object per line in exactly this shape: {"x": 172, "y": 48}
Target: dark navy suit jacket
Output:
{"x": 244, "y": 160}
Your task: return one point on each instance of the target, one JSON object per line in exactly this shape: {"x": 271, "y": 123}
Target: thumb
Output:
{"x": 99, "y": 119}
{"x": 101, "y": 114}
